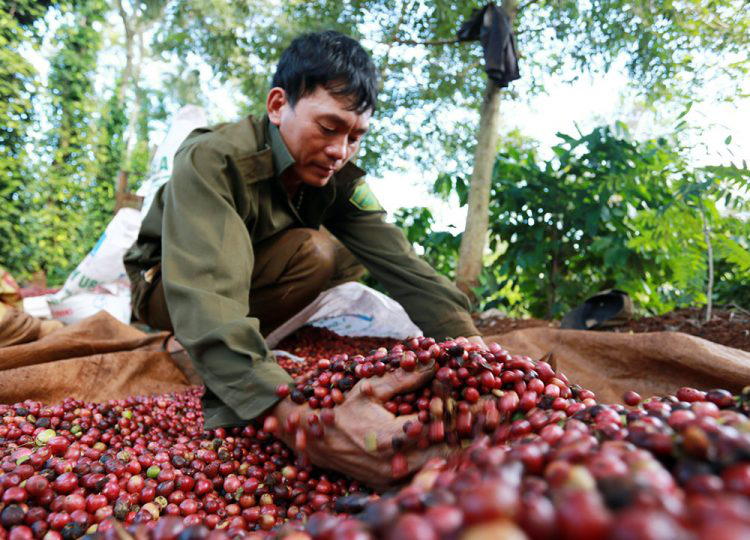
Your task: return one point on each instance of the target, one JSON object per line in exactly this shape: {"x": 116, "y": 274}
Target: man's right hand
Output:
{"x": 359, "y": 419}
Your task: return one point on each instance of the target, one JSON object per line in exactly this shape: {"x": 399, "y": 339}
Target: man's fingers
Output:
{"x": 400, "y": 381}
{"x": 481, "y": 405}
{"x": 417, "y": 458}
{"x": 478, "y": 340}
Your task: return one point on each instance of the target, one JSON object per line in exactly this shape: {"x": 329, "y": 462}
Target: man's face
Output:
{"x": 319, "y": 131}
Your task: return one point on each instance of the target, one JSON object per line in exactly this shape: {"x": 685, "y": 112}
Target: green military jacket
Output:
{"x": 224, "y": 196}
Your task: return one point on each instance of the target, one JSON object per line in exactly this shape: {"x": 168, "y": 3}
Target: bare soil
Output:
{"x": 728, "y": 326}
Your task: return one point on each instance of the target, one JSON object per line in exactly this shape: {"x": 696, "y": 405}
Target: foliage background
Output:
{"x": 607, "y": 209}
{"x": 605, "y": 212}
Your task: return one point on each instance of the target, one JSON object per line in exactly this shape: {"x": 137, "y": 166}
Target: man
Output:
{"x": 233, "y": 246}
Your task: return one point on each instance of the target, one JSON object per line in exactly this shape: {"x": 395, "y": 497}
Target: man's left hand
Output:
{"x": 358, "y": 444}
{"x": 478, "y": 340}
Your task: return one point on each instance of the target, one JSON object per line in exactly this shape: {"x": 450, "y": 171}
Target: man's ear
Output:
{"x": 275, "y": 103}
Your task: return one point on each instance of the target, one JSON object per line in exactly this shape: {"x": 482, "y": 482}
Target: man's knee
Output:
{"x": 318, "y": 252}
{"x": 149, "y": 302}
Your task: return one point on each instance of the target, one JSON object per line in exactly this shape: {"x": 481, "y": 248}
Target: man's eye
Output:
{"x": 354, "y": 141}
{"x": 326, "y": 129}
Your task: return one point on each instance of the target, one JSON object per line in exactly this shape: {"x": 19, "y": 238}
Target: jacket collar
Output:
{"x": 282, "y": 159}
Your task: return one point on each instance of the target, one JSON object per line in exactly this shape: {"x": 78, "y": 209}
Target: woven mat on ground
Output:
{"x": 651, "y": 364}
{"x": 96, "y": 359}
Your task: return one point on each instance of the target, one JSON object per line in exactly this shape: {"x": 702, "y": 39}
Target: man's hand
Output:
{"x": 358, "y": 444}
{"x": 478, "y": 340}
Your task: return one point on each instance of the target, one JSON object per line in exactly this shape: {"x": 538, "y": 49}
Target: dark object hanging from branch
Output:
{"x": 491, "y": 26}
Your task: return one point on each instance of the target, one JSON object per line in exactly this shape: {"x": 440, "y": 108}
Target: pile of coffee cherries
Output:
{"x": 473, "y": 391}
{"x": 76, "y": 467}
{"x": 311, "y": 344}
{"x": 533, "y": 457}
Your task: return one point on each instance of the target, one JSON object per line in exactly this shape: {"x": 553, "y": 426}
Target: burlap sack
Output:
{"x": 651, "y": 364}
{"x": 100, "y": 358}
{"x": 17, "y": 327}
{"x": 96, "y": 359}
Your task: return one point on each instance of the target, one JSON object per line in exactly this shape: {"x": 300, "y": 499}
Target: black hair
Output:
{"x": 332, "y": 60}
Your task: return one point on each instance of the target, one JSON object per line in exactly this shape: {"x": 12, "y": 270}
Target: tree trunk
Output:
{"x": 710, "y": 255}
{"x": 554, "y": 270}
{"x": 477, "y": 218}
{"x": 122, "y": 85}
{"x": 136, "y": 111}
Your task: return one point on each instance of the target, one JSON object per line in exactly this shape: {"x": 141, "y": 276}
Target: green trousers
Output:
{"x": 290, "y": 270}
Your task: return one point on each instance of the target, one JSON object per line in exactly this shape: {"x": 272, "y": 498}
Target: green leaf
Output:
{"x": 685, "y": 111}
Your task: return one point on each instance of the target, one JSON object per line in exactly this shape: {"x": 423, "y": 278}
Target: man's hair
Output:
{"x": 332, "y": 60}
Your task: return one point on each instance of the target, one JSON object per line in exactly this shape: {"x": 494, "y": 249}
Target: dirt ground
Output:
{"x": 728, "y": 326}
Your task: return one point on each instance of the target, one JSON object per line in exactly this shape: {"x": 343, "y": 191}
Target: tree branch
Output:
{"x": 530, "y": 31}
{"x": 524, "y": 6}
{"x": 450, "y": 41}
{"x": 428, "y": 42}
{"x": 125, "y": 18}
{"x": 391, "y": 41}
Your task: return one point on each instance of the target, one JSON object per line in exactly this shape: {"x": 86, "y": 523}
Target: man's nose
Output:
{"x": 337, "y": 149}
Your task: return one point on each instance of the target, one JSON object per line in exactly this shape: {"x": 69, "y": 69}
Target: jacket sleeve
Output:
{"x": 207, "y": 262}
{"x": 435, "y": 305}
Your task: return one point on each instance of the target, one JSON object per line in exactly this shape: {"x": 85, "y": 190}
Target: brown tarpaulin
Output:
{"x": 100, "y": 358}
{"x": 610, "y": 363}
{"x": 96, "y": 359}
{"x": 17, "y": 327}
